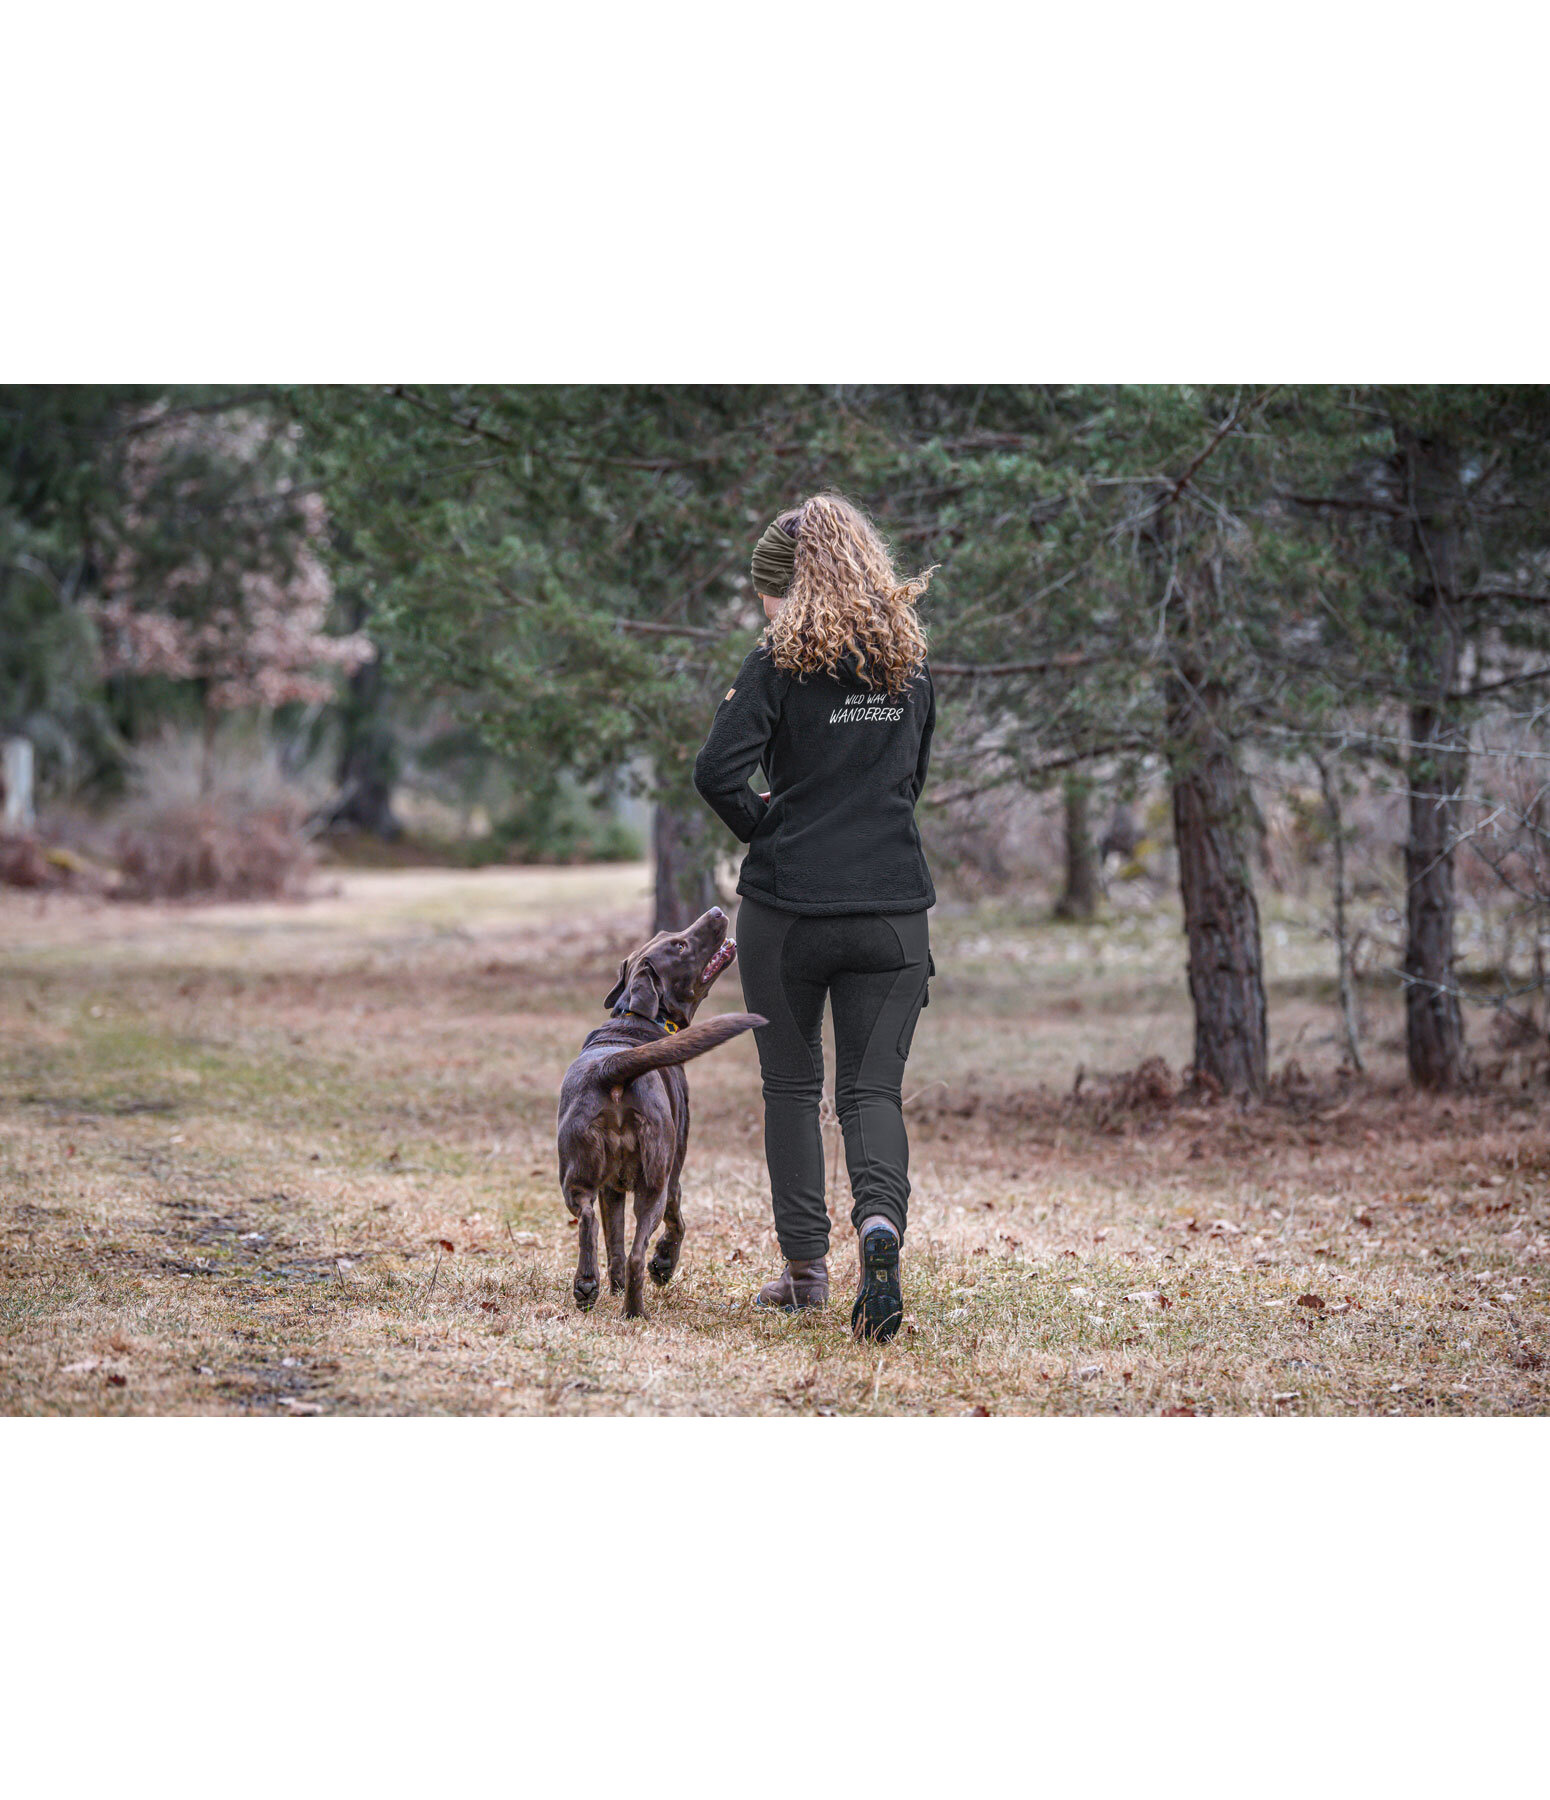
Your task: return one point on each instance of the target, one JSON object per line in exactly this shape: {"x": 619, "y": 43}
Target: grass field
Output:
{"x": 299, "y": 1160}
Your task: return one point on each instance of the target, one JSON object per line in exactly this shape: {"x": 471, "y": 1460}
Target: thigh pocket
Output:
{"x": 906, "y": 1037}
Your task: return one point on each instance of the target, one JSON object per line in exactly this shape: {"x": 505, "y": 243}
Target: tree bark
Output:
{"x": 683, "y": 840}
{"x": 1435, "y": 1048}
{"x": 210, "y": 721}
{"x": 368, "y": 754}
{"x": 1212, "y": 814}
{"x": 17, "y": 812}
{"x": 1349, "y": 1020}
{"x": 1211, "y": 810}
{"x": 1079, "y": 897}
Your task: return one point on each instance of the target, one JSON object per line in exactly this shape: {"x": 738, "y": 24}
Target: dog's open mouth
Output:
{"x": 725, "y": 955}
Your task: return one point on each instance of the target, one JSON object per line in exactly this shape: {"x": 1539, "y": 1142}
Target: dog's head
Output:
{"x": 669, "y": 976}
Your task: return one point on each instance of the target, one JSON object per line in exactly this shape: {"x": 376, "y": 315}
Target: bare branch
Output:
{"x": 1507, "y": 681}
{"x": 1071, "y": 660}
{"x": 1338, "y": 502}
{"x": 470, "y": 423}
{"x": 651, "y": 628}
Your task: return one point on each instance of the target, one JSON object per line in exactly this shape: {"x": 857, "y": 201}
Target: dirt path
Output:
{"x": 299, "y": 1160}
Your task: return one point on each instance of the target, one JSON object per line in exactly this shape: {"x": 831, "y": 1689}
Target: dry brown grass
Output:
{"x": 236, "y": 1144}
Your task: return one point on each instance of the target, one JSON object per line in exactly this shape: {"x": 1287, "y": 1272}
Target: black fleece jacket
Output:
{"x": 844, "y": 767}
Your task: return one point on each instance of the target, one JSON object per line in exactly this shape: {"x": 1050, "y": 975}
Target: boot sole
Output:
{"x": 879, "y": 1309}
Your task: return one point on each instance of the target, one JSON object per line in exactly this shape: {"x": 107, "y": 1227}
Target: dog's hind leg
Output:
{"x": 649, "y": 1209}
{"x": 580, "y": 1200}
{"x": 665, "y": 1259}
{"x": 611, "y": 1203}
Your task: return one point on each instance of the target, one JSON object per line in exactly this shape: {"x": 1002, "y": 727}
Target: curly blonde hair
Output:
{"x": 845, "y": 597}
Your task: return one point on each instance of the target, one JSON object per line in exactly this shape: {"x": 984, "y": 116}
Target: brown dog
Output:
{"x": 624, "y": 1105}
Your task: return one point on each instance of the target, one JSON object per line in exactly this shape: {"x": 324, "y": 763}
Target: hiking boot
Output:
{"x": 797, "y": 1286}
{"x": 879, "y": 1309}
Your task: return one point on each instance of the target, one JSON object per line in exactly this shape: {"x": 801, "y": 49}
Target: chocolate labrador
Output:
{"x": 624, "y": 1105}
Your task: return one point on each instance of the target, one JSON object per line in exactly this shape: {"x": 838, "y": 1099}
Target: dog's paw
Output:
{"x": 661, "y": 1268}
{"x": 586, "y": 1294}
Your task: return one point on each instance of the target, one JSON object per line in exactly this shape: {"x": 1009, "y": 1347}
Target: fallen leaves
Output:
{"x": 1316, "y": 1301}
{"x": 1013, "y": 1346}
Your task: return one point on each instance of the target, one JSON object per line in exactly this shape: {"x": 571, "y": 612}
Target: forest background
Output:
{"x": 1193, "y": 644}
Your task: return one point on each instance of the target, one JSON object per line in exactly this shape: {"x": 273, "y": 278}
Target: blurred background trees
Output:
{"x": 1193, "y": 644}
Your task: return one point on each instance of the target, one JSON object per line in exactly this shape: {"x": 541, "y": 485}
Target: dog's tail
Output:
{"x": 619, "y": 1067}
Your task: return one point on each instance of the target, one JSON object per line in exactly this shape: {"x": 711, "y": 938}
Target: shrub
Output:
{"x": 24, "y": 865}
{"x": 558, "y": 822}
{"x": 213, "y": 823}
{"x": 214, "y": 850}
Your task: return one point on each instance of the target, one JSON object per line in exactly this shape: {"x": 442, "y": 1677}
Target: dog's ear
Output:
{"x": 611, "y": 999}
{"x": 642, "y": 991}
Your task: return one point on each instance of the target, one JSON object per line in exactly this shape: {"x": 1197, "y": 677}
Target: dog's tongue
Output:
{"x": 718, "y": 962}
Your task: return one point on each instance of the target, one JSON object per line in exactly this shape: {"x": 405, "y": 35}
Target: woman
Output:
{"x": 836, "y": 707}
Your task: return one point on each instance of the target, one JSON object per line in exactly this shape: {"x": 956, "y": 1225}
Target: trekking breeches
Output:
{"x": 873, "y": 968}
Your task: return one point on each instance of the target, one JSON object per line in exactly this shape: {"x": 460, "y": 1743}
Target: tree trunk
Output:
{"x": 1212, "y": 814}
{"x": 1211, "y": 810}
{"x": 210, "y": 721}
{"x": 1434, "y": 1022}
{"x": 1434, "y": 1025}
{"x": 368, "y": 755}
{"x": 683, "y": 840}
{"x": 17, "y": 812}
{"x": 1347, "y": 986}
{"x": 1079, "y": 897}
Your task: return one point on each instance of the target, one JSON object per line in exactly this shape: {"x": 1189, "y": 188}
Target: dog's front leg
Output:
{"x": 648, "y": 1216}
{"x": 580, "y": 1201}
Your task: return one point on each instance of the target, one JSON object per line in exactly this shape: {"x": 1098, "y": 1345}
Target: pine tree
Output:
{"x": 570, "y": 562}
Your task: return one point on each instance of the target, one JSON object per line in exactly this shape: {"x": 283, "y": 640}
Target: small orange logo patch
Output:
{"x": 731, "y": 692}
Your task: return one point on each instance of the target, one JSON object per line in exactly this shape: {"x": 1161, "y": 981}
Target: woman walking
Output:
{"x": 836, "y": 707}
